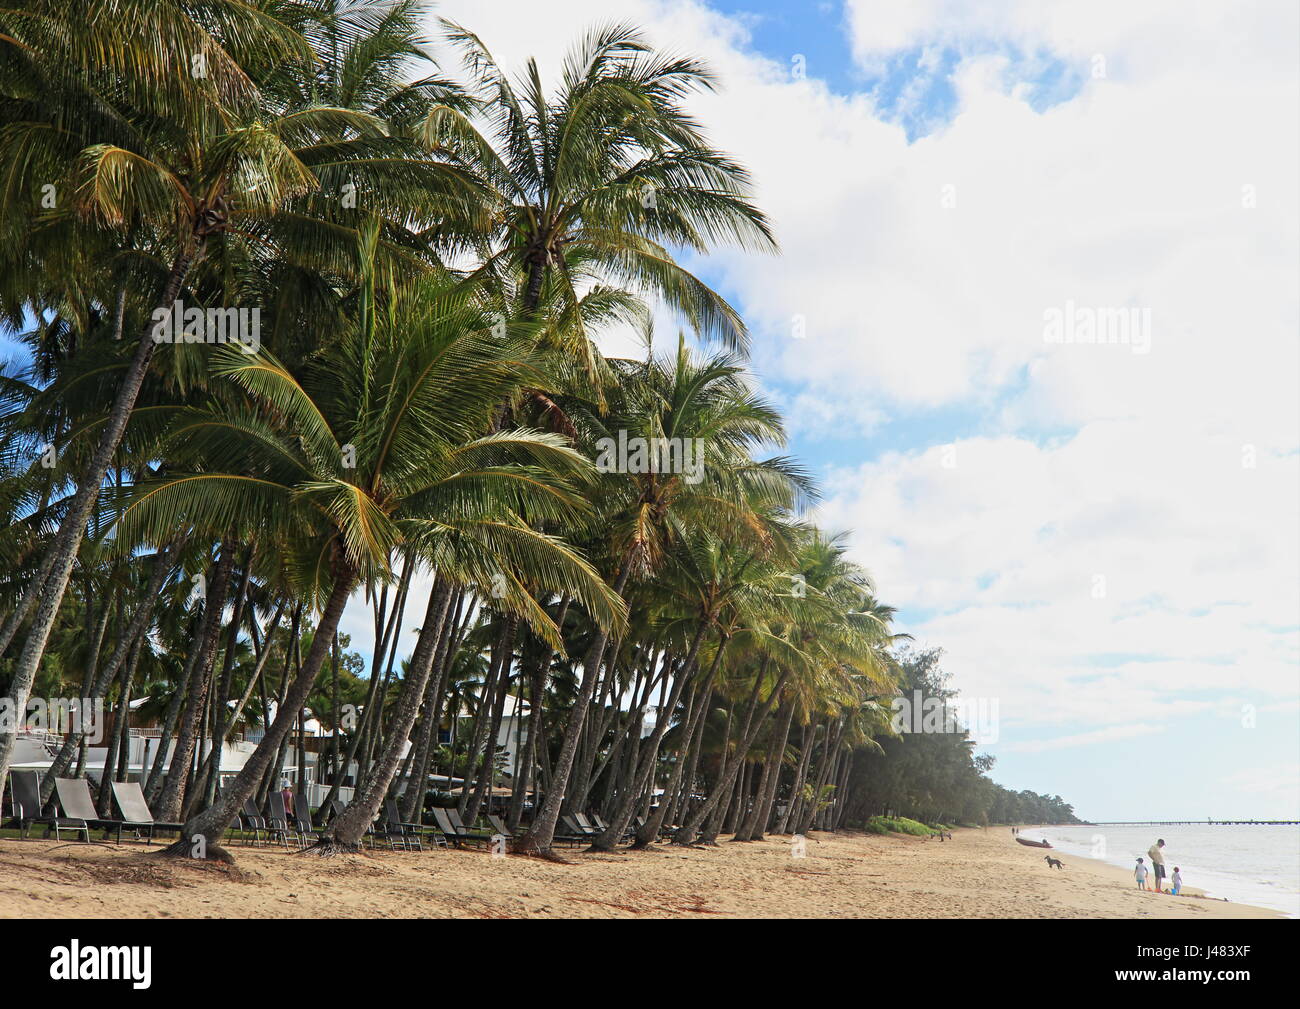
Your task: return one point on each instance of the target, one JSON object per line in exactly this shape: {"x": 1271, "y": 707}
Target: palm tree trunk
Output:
{"x": 453, "y": 627}
{"x": 212, "y": 822}
{"x": 541, "y": 835}
{"x": 173, "y": 794}
{"x": 346, "y": 832}
{"x": 644, "y": 773}
{"x": 119, "y": 750}
{"x": 221, "y": 709}
{"x": 494, "y": 729}
{"x": 72, "y": 528}
{"x": 172, "y": 716}
{"x": 751, "y": 829}
{"x": 686, "y": 835}
{"x": 649, "y": 832}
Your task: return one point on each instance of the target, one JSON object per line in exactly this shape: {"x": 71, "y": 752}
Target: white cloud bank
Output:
{"x": 923, "y": 272}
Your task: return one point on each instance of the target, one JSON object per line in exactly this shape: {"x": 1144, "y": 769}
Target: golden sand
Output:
{"x": 978, "y": 874}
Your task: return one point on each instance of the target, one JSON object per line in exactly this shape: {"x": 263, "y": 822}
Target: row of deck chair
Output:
{"x": 76, "y": 813}
{"x": 78, "y": 817}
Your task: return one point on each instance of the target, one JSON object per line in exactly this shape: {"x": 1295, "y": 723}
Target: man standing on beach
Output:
{"x": 1157, "y": 863}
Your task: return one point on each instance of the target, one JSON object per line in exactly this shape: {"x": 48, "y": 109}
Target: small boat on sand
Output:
{"x": 1033, "y": 844}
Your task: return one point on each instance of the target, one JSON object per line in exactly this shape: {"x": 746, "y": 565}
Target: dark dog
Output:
{"x": 1053, "y": 863}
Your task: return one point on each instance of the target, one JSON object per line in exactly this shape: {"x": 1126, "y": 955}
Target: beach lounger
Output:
{"x": 302, "y": 811}
{"x": 74, "y": 799}
{"x": 388, "y": 827}
{"x": 599, "y": 823}
{"x": 417, "y": 830}
{"x": 279, "y": 824}
{"x": 577, "y": 829}
{"x": 135, "y": 810}
{"x": 448, "y": 821}
{"x": 252, "y": 822}
{"x": 25, "y": 788}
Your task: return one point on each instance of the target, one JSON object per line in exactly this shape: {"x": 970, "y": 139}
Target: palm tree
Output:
{"x": 363, "y": 451}
{"x": 597, "y": 183}
{"x": 704, "y": 405}
{"x": 164, "y": 157}
{"x": 227, "y": 171}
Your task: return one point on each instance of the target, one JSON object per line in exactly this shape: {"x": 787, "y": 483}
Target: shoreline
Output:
{"x": 981, "y": 873}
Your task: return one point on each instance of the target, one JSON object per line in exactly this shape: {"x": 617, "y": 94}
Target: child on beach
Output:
{"x": 1177, "y": 880}
{"x": 1140, "y": 874}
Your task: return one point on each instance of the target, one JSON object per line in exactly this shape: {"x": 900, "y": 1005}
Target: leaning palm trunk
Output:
{"x": 104, "y": 676}
{"x": 494, "y": 729}
{"x": 173, "y": 794}
{"x": 541, "y": 835}
{"x": 488, "y": 700}
{"x": 412, "y": 808}
{"x": 689, "y": 829}
{"x": 349, "y": 828}
{"x": 649, "y": 758}
{"x": 694, "y": 728}
{"x": 119, "y": 751}
{"x": 210, "y": 824}
{"x": 73, "y": 527}
{"x": 833, "y": 736}
{"x": 751, "y": 828}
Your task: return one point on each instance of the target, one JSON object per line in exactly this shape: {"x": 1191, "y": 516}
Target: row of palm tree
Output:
{"x": 432, "y": 256}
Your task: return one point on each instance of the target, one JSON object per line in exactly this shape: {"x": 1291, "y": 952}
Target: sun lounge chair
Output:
{"x": 279, "y": 824}
{"x": 25, "y": 787}
{"x": 302, "y": 812}
{"x": 78, "y": 806}
{"x": 448, "y": 821}
{"x": 577, "y": 829}
{"x": 135, "y": 811}
{"x": 599, "y": 823}
{"x": 252, "y": 822}
{"x": 498, "y": 825}
{"x": 388, "y": 827}
{"x": 417, "y": 830}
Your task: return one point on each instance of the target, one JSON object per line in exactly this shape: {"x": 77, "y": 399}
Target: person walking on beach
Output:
{"x": 1158, "y": 863}
{"x": 1177, "y": 880}
{"x": 1140, "y": 874}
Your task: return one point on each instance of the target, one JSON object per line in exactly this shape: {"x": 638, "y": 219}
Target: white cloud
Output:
{"x": 1107, "y": 735}
{"x": 1131, "y": 193}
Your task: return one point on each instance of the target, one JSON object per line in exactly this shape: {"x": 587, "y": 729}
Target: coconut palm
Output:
{"x": 701, "y": 406}
{"x": 364, "y": 451}
{"x": 598, "y": 182}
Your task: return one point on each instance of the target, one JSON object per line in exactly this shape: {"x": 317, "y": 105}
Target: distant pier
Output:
{"x": 1197, "y": 823}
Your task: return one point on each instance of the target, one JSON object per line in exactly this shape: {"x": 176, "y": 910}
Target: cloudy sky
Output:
{"x": 1102, "y": 536}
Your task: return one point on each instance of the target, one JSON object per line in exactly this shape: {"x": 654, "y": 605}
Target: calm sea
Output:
{"x": 1251, "y": 865}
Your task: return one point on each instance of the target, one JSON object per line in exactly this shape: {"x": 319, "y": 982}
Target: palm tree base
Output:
{"x": 528, "y": 847}
{"x": 185, "y": 849}
{"x": 328, "y": 847}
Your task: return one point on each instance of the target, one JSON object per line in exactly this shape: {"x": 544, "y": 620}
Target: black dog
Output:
{"x": 1053, "y": 863}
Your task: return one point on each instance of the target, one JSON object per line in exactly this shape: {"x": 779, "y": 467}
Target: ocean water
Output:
{"x": 1249, "y": 865}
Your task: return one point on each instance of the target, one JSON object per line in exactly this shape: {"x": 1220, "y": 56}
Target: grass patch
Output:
{"x": 898, "y": 825}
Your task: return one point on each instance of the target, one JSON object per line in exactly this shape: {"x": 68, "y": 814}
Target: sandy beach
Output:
{"x": 979, "y": 874}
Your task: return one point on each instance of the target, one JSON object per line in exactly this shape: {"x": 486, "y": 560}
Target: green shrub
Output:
{"x": 898, "y": 825}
